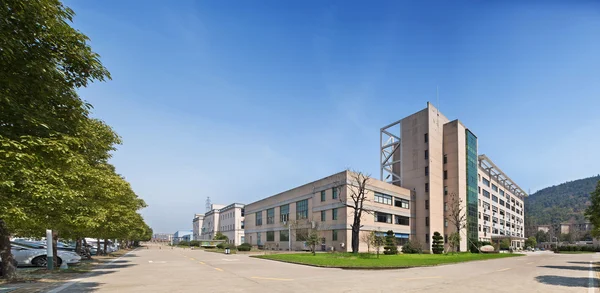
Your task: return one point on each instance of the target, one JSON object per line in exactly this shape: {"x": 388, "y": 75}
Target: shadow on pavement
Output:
{"x": 575, "y": 268}
{"x": 83, "y": 287}
{"x": 584, "y": 262}
{"x": 564, "y": 281}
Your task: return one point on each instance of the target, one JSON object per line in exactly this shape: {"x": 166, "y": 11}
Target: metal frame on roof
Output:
{"x": 390, "y": 145}
{"x": 493, "y": 170}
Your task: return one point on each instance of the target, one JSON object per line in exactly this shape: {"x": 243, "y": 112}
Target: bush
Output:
{"x": 221, "y": 245}
{"x": 183, "y": 243}
{"x": 438, "y": 243}
{"x": 195, "y": 243}
{"x": 412, "y": 247}
{"x": 244, "y": 247}
{"x": 390, "y": 243}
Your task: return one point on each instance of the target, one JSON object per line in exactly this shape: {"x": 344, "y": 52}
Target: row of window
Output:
{"x": 284, "y": 213}
{"x": 387, "y": 218}
{"x": 334, "y": 215}
{"x": 301, "y": 235}
{"x": 390, "y": 200}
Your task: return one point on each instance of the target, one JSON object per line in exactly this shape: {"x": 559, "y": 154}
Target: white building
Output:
{"x": 210, "y": 224}
{"x": 231, "y": 223}
{"x": 197, "y": 226}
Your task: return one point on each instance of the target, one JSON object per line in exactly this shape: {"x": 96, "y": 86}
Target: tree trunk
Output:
{"x": 8, "y": 270}
{"x": 105, "y": 244}
{"x": 54, "y": 247}
{"x": 355, "y": 235}
{"x": 98, "y": 247}
{"x": 78, "y": 246}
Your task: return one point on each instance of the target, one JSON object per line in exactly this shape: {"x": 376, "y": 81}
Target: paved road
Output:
{"x": 180, "y": 270}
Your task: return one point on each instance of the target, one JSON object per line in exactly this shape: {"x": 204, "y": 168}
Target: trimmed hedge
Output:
{"x": 244, "y": 247}
{"x": 578, "y": 248}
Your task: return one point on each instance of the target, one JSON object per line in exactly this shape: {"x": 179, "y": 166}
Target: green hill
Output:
{"x": 560, "y": 203}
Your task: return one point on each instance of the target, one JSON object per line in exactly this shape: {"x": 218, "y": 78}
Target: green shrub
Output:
{"x": 195, "y": 243}
{"x": 437, "y": 246}
{"x": 221, "y": 245}
{"x": 244, "y": 247}
{"x": 390, "y": 243}
{"x": 412, "y": 247}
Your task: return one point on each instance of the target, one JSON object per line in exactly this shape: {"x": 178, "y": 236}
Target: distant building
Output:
{"x": 544, "y": 228}
{"x": 182, "y": 235}
{"x": 229, "y": 220}
{"x": 162, "y": 237}
{"x": 197, "y": 226}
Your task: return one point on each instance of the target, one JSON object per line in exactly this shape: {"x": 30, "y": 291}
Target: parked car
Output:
{"x": 42, "y": 244}
{"x": 32, "y": 255}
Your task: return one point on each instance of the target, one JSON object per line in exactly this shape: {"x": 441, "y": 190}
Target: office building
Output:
{"x": 229, "y": 220}
{"x": 438, "y": 159}
{"x": 182, "y": 235}
{"x": 283, "y": 221}
{"x": 197, "y": 225}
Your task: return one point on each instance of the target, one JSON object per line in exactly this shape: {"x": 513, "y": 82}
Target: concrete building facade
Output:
{"x": 231, "y": 223}
{"x": 283, "y": 221}
{"x": 210, "y": 224}
{"x": 438, "y": 160}
{"x": 197, "y": 226}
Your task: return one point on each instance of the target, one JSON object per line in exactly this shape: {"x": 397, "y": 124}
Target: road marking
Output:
{"x": 529, "y": 263}
{"x": 150, "y": 261}
{"x": 274, "y": 279}
{"x": 225, "y": 259}
{"x": 591, "y": 287}
{"x": 201, "y": 263}
{"x": 192, "y": 258}
{"x": 220, "y": 270}
{"x": 502, "y": 270}
{"x": 419, "y": 278}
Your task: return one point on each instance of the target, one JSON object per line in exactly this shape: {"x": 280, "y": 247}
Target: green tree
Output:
{"x": 593, "y": 211}
{"x": 390, "y": 243}
{"x": 220, "y": 236}
{"x": 505, "y": 244}
{"x": 437, "y": 243}
{"x": 454, "y": 241}
{"x": 457, "y": 216}
{"x": 542, "y": 236}
{"x": 313, "y": 240}
{"x": 531, "y": 242}
{"x": 378, "y": 242}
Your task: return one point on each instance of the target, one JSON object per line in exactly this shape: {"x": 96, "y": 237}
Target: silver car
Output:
{"x": 27, "y": 255}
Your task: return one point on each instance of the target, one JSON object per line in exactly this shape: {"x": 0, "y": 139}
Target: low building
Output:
{"x": 197, "y": 226}
{"x": 182, "y": 235}
{"x": 231, "y": 223}
{"x": 283, "y": 221}
{"x": 162, "y": 237}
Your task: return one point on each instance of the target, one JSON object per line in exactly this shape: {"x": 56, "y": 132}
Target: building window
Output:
{"x": 479, "y": 228}
{"x": 445, "y": 158}
{"x": 383, "y": 198}
{"x": 334, "y": 214}
{"x": 426, "y": 238}
{"x": 284, "y": 213}
{"x": 284, "y": 235}
{"x": 486, "y": 182}
{"x": 270, "y": 236}
{"x": 445, "y": 190}
{"x": 383, "y": 218}
{"x": 271, "y": 216}
{"x": 446, "y": 237}
{"x": 501, "y": 192}
{"x": 401, "y": 203}
{"x": 494, "y": 198}
{"x": 334, "y": 193}
{"x": 426, "y": 170}
{"x": 479, "y": 189}
{"x": 426, "y": 154}
{"x": 427, "y": 221}
{"x": 426, "y": 204}
{"x": 302, "y": 209}
{"x": 445, "y": 206}
{"x": 426, "y": 187}
{"x": 334, "y": 235}
{"x": 323, "y": 195}
{"x": 445, "y": 174}
{"x": 258, "y": 241}
{"x": 445, "y": 223}
{"x": 494, "y": 187}
{"x": 486, "y": 193}
{"x": 258, "y": 218}
{"x": 401, "y": 220}
{"x": 323, "y": 216}
{"x": 426, "y": 136}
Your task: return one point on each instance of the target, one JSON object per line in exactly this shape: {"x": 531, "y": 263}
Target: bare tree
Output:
{"x": 355, "y": 198}
{"x": 457, "y": 216}
{"x": 368, "y": 238}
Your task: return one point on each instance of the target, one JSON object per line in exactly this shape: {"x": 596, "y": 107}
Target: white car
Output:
{"x": 27, "y": 255}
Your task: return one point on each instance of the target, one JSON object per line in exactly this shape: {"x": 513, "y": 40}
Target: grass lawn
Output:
{"x": 575, "y": 252}
{"x": 364, "y": 260}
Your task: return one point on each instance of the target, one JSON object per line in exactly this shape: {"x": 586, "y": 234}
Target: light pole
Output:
{"x": 289, "y": 234}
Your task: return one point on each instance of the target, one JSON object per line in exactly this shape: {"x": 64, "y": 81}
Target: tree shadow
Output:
{"x": 564, "y": 281}
{"x": 584, "y": 262}
{"x": 83, "y": 287}
{"x": 575, "y": 268}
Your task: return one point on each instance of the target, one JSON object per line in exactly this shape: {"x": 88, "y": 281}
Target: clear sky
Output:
{"x": 240, "y": 100}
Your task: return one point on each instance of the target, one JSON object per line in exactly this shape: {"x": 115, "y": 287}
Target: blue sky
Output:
{"x": 239, "y": 100}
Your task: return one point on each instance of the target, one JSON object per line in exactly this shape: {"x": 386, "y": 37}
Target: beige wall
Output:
{"x": 197, "y": 226}
{"x": 455, "y": 149}
{"x": 230, "y": 222}
{"x": 312, "y": 193}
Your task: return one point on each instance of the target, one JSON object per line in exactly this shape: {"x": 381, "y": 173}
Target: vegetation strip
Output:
{"x": 370, "y": 261}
